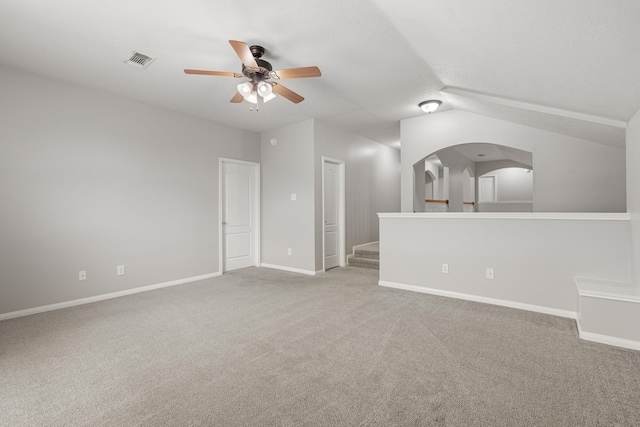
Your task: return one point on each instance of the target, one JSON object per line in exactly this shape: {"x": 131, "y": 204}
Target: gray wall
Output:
{"x": 513, "y": 184}
{"x": 90, "y": 181}
{"x": 569, "y": 171}
{"x": 372, "y": 175}
{"x": 535, "y": 258}
{"x": 456, "y": 163}
{"x": 287, "y": 168}
{"x": 633, "y": 187}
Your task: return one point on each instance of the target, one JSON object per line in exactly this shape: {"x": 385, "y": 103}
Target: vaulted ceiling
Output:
{"x": 570, "y": 66}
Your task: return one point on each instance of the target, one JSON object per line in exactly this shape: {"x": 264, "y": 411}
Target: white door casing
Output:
{"x": 330, "y": 204}
{"x": 487, "y": 188}
{"x": 333, "y": 237}
{"x": 239, "y": 214}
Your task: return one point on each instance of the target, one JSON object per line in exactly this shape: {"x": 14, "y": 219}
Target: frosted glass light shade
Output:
{"x": 245, "y": 88}
{"x": 264, "y": 89}
{"x": 430, "y": 106}
{"x": 252, "y": 97}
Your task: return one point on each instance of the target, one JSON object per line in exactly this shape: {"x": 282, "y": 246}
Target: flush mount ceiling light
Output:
{"x": 430, "y": 106}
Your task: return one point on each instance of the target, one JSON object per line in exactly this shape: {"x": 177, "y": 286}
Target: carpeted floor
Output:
{"x": 260, "y": 347}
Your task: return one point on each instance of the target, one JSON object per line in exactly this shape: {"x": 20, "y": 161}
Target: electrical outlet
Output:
{"x": 82, "y": 275}
{"x": 445, "y": 268}
{"x": 489, "y": 273}
{"x": 120, "y": 270}
{"x": 294, "y": 197}
{"x": 289, "y": 251}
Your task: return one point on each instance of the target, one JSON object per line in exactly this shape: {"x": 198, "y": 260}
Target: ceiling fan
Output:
{"x": 259, "y": 72}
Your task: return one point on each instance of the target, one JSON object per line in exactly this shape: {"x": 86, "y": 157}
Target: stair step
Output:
{"x": 364, "y": 253}
{"x": 364, "y": 262}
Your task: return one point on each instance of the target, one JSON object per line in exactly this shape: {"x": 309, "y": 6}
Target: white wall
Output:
{"x": 569, "y": 171}
{"x": 535, "y": 256}
{"x": 633, "y": 187}
{"x": 294, "y": 165}
{"x": 419, "y": 186}
{"x": 89, "y": 181}
{"x": 456, "y": 164}
{"x": 513, "y": 184}
{"x": 372, "y": 173}
{"x": 287, "y": 168}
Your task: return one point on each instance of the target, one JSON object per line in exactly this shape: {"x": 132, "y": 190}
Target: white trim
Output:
{"x": 506, "y": 202}
{"x": 239, "y": 162}
{"x": 495, "y": 187}
{"x": 486, "y": 300}
{"x": 257, "y": 197}
{"x": 613, "y": 296}
{"x": 607, "y": 339}
{"x": 291, "y": 269}
{"x": 535, "y": 107}
{"x": 570, "y": 216}
{"x": 607, "y": 289}
{"x": 72, "y": 303}
{"x": 341, "y": 212}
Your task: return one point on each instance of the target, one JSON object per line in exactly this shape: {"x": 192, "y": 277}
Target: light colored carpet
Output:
{"x": 263, "y": 347}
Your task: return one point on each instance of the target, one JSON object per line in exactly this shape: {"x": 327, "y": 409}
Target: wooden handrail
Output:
{"x": 436, "y": 201}
{"x": 469, "y": 203}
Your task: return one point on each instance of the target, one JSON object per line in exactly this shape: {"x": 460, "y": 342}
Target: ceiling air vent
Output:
{"x": 139, "y": 60}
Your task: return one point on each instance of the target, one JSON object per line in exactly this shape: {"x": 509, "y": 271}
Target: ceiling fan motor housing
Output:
{"x": 264, "y": 68}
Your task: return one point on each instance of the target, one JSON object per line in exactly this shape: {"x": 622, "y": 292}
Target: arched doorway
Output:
{"x": 454, "y": 177}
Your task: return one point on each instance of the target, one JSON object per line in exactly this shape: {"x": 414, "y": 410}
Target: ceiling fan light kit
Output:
{"x": 259, "y": 71}
{"x": 430, "y": 106}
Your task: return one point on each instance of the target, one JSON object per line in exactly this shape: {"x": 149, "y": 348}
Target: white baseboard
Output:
{"x": 66, "y": 304}
{"x": 486, "y": 300}
{"x": 291, "y": 269}
{"x": 607, "y": 339}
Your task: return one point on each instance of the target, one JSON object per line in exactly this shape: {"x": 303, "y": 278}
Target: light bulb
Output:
{"x": 264, "y": 89}
{"x": 245, "y": 88}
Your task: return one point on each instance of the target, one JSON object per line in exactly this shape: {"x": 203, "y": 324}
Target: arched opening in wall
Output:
{"x": 436, "y": 192}
{"x": 450, "y": 180}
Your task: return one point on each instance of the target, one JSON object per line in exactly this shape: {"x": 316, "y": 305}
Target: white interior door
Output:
{"x": 487, "y": 188}
{"x": 239, "y": 220}
{"x": 331, "y": 204}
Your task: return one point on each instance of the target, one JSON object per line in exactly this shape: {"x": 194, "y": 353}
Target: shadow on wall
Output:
{"x": 445, "y": 181}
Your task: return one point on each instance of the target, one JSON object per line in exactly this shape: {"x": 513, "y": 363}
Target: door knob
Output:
{"x": 224, "y": 223}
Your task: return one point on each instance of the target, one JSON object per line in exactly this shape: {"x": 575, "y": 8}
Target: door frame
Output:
{"x": 341, "y": 211}
{"x": 494, "y": 179}
{"x": 255, "y": 213}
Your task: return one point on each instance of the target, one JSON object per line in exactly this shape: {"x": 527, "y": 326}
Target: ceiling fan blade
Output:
{"x": 214, "y": 73}
{"x": 297, "y": 73}
{"x": 237, "y": 98}
{"x": 287, "y": 93}
{"x": 244, "y": 53}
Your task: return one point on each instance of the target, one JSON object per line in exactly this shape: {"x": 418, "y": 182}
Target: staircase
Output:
{"x": 366, "y": 256}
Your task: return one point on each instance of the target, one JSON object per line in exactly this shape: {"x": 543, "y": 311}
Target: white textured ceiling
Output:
{"x": 570, "y": 66}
